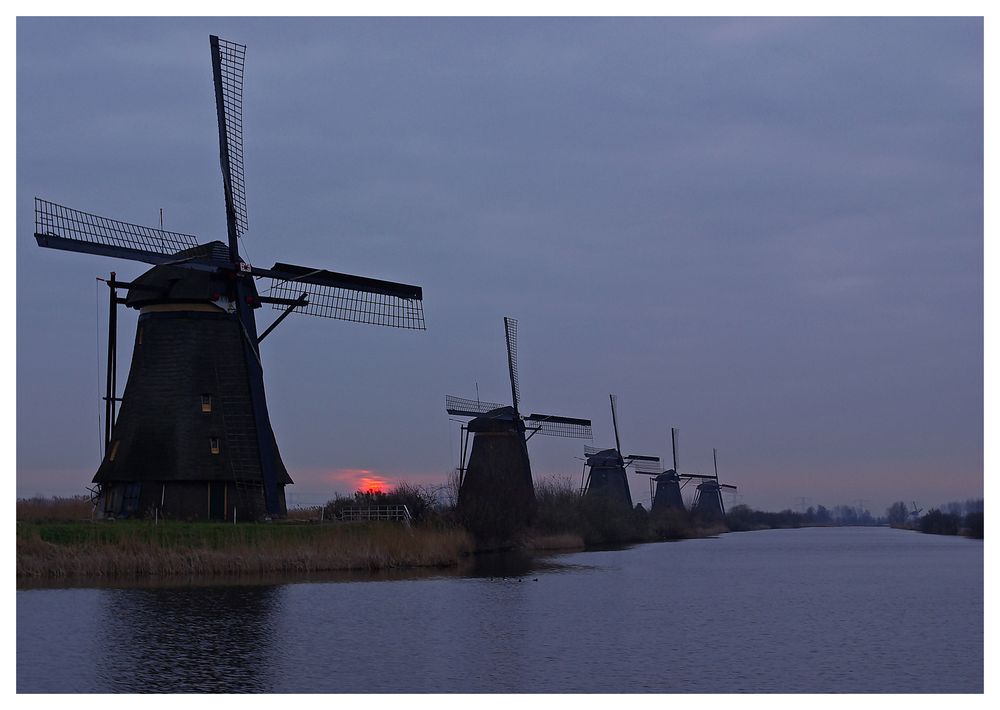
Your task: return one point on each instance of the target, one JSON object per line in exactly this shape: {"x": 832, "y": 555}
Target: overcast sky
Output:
{"x": 765, "y": 232}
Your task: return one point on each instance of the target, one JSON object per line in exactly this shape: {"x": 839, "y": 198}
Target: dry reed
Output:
{"x": 141, "y": 550}
{"x": 38, "y": 509}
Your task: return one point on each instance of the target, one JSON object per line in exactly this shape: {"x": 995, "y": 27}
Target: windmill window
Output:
{"x": 214, "y": 444}
{"x": 139, "y": 338}
{"x": 206, "y": 403}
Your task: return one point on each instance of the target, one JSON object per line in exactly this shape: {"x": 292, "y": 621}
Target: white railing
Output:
{"x": 397, "y": 513}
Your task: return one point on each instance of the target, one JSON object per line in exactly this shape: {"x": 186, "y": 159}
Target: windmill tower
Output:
{"x": 496, "y": 495}
{"x": 708, "y": 499}
{"x": 193, "y": 438}
{"x": 667, "y": 493}
{"x": 606, "y": 477}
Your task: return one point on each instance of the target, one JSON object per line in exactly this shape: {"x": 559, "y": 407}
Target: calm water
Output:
{"x": 815, "y": 610}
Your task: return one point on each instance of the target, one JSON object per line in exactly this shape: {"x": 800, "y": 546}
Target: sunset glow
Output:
{"x": 372, "y": 484}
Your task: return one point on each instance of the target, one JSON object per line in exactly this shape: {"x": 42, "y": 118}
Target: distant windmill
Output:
{"x": 193, "y": 438}
{"x": 916, "y": 511}
{"x": 496, "y": 494}
{"x": 708, "y": 499}
{"x": 606, "y": 476}
{"x": 667, "y": 494}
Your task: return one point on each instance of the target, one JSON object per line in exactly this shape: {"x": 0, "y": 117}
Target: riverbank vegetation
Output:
{"x": 58, "y": 537}
{"x": 954, "y": 518}
{"x": 132, "y": 549}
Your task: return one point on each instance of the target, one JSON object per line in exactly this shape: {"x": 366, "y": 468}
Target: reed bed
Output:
{"x": 57, "y": 508}
{"x": 140, "y": 549}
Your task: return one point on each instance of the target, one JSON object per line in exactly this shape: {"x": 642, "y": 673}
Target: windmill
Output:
{"x": 193, "y": 438}
{"x": 607, "y": 467}
{"x": 667, "y": 493}
{"x": 708, "y": 499}
{"x": 496, "y": 495}
{"x": 915, "y": 513}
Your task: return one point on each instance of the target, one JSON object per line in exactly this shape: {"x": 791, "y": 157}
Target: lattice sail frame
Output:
{"x": 58, "y": 221}
{"x": 568, "y": 430}
{"x": 354, "y": 305}
{"x": 462, "y": 407}
{"x": 650, "y": 467}
{"x": 510, "y": 328}
{"x": 232, "y": 57}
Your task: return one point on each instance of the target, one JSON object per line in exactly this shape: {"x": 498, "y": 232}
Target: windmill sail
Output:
{"x": 568, "y": 427}
{"x": 461, "y": 407}
{"x": 346, "y": 297}
{"x": 510, "y": 328}
{"x": 614, "y": 422}
{"x": 643, "y": 465}
{"x": 59, "y": 227}
{"x": 227, "y": 68}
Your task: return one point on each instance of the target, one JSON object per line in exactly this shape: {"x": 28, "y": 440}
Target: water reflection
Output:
{"x": 210, "y": 639}
{"x": 498, "y": 565}
{"x": 514, "y": 564}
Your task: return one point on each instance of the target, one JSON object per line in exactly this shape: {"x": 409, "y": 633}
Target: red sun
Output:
{"x": 372, "y": 484}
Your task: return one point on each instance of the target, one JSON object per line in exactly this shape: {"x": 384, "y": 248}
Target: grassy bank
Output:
{"x": 140, "y": 549}
{"x": 59, "y": 539}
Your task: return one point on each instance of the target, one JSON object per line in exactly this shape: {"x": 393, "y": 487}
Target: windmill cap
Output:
{"x": 170, "y": 284}
{"x": 604, "y": 458}
{"x": 499, "y": 419}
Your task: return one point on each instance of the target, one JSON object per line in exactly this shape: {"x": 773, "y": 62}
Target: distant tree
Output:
{"x": 740, "y": 518}
{"x": 897, "y": 513}
{"x": 939, "y": 523}
{"x": 822, "y": 516}
{"x": 955, "y": 507}
{"x": 845, "y": 515}
{"x": 974, "y": 525}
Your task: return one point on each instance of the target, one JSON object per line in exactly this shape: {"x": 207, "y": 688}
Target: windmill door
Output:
{"x": 130, "y": 501}
{"x": 217, "y": 500}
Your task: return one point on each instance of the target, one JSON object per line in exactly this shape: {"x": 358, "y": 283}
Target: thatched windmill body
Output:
{"x": 496, "y": 493}
{"x": 193, "y": 438}
{"x": 708, "y": 503}
{"x": 604, "y": 469}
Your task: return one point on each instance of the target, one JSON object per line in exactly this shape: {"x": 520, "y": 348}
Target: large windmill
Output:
{"x": 708, "y": 499}
{"x": 607, "y": 476}
{"x": 193, "y": 438}
{"x": 496, "y": 495}
{"x": 667, "y": 494}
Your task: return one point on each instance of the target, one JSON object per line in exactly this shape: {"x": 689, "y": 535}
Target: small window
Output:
{"x": 114, "y": 451}
{"x": 139, "y": 337}
{"x": 214, "y": 443}
{"x": 206, "y": 403}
